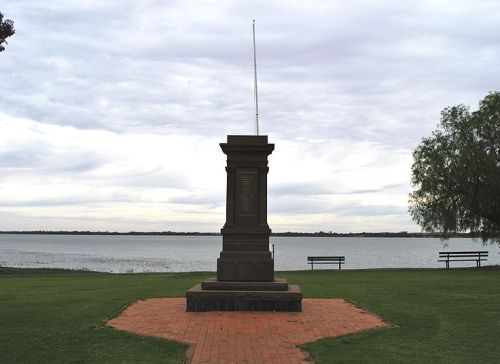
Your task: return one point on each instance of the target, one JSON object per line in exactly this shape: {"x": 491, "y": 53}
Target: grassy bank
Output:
{"x": 439, "y": 316}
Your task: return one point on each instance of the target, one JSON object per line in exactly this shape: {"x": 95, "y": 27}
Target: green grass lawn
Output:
{"x": 439, "y": 316}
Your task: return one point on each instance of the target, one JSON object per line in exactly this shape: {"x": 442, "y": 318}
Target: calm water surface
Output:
{"x": 199, "y": 253}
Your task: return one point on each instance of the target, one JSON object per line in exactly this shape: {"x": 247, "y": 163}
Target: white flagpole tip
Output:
{"x": 256, "y": 95}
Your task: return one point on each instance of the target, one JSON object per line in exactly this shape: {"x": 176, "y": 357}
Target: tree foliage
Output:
{"x": 6, "y": 30}
{"x": 456, "y": 173}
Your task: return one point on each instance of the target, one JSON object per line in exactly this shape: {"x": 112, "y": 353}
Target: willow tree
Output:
{"x": 456, "y": 173}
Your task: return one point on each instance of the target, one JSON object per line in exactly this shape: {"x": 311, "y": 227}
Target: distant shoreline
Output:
{"x": 401, "y": 234}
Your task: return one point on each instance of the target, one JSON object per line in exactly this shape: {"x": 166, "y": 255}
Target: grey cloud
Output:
{"x": 49, "y": 202}
{"x": 299, "y": 188}
{"x": 312, "y": 205}
{"x": 212, "y": 201}
{"x": 19, "y": 159}
{"x": 145, "y": 180}
{"x": 385, "y": 188}
{"x": 296, "y": 205}
{"x": 358, "y": 209}
{"x": 44, "y": 159}
{"x": 94, "y": 198}
{"x": 311, "y": 189}
{"x": 42, "y": 162}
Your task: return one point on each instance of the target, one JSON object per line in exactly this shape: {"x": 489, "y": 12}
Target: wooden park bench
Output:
{"x": 477, "y": 256}
{"x": 326, "y": 260}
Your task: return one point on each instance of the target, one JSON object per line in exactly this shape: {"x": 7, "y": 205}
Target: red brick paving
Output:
{"x": 245, "y": 337}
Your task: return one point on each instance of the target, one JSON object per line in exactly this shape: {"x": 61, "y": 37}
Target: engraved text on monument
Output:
{"x": 246, "y": 196}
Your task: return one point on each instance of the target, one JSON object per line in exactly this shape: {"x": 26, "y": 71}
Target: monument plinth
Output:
{"x": 245, "y": 269}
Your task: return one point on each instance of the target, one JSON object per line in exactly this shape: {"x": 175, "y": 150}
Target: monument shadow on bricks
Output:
{"x": 245, "y": 269}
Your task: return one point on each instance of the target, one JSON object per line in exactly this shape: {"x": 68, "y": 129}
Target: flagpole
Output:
{"x": 256, "y": 96}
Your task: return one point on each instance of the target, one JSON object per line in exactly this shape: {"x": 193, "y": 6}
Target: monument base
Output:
{"x": 212, "y": 284}
{"x": 213, "y": 295}
{"x": 245, "y": 269}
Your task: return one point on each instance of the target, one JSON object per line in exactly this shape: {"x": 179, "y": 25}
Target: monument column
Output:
{"x": 245, "y": 252}
{"x": 245, "y": 269}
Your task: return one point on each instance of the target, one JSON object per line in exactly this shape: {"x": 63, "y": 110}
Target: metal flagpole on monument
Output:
{"x": 256, "y": 95}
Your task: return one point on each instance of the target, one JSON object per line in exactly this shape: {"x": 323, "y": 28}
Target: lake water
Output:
{"x": 126, "y": 253}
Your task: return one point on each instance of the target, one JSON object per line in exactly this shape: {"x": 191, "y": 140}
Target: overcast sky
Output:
{"x": 111, "y": 112}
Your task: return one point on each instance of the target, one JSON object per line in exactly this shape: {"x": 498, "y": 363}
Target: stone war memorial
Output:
{"x": 245, "y": 269}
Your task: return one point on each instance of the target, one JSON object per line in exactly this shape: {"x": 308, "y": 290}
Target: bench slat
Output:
{"x": 463, "y": 254}
{"x": 462, "y": 260}
{"x": 465, "y": 251}
{"x": 458, "y": 255}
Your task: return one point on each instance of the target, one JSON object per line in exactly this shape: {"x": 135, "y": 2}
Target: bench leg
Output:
{"x": 312, "y": 265}
{"x": 447, "y": 264}
{"x": 340, "y": 266}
